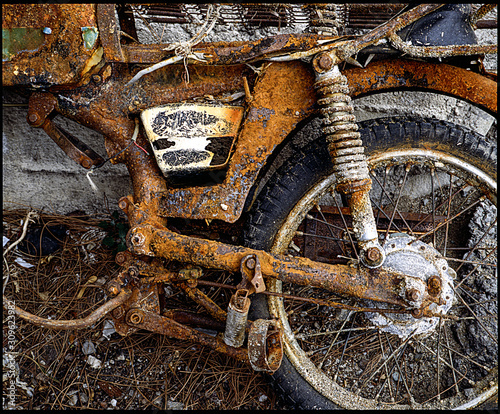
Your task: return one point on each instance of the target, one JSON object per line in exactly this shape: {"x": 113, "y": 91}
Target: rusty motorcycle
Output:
{"x": 362, "y": 272}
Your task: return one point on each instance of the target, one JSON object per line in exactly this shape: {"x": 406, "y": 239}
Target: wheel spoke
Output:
{"x": 448, "y": 212}
{"x": 475, "y": 316}
{"x": 454, "y": 217}
{"x": 400, "y": 372}
{"x": 479, "y": 242}
{"x": 343, "y": 350}
{"x": 407, "y": 170}
{"x": 345, "y": 225}
{"x": 384, "y": 191}
{"x": 452, "y": 365}
{"x": 438, "y": 377}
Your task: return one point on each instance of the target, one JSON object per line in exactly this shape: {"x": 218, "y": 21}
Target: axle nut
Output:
{"x": 373, "y": 254}
{"x": 434, "y": 282}
{"x": 138, "y": 239}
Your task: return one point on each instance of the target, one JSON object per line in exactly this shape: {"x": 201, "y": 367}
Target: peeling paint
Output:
{"x": 89, "y": 36}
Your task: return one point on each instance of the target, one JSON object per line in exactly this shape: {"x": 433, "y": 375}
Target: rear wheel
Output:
{"x": 432, "y": 181}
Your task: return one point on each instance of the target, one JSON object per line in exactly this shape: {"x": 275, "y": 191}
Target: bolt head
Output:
{"x": 33, "y": 118}
{"x": 122, "y": 204}
{"x": 86, "y": 163}
{"x": 133, "y": 271}
{"x": 136, "y": 317}
{"x": 250, "y": 263}
{"x": 417, "y": 313}
{"x": 413, "y": 294}
{"x": 325, "y": 62}
{"x": 120, "y": 258}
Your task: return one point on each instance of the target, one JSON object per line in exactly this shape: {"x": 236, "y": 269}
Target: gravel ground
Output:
{"x": 96, "y": 368}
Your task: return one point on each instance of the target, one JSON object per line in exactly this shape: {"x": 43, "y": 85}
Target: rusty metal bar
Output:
{"x": 155, "y": 323}
{"x": 201, "y": 299}
{"x": 72, "y": 146}
{"x": 440, "y": 51}
{"x": 375, "y": 284}
{"x": 321, "y": 302}
{"x": 69, "y": 324}
{"x": 481, "y": 12}
{"x": 386, "y": 29}
{"x": 191, "y": 318}
{"x": 109, "y": 33}
{"x": 397, "y": 74}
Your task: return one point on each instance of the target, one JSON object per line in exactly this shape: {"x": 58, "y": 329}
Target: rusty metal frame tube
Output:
{"x": 165, "y": 326}
{"x": 386, "y": 29}
{"x": 72, "y": 323}
{"x": 375, "y": 284}
{"x": 440, "y": 51}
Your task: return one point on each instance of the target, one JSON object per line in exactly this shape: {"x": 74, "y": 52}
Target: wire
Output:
{"x": 134, "y": 137}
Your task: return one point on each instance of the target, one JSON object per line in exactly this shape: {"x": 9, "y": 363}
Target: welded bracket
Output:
{"x": 252, "y": 275}
{"x": 40, "y": 108}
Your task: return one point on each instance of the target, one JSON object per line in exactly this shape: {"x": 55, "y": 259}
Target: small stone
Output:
{"x": 113, "y": 402}
{"x": 88, "y": 348}
{"x": 108, "y": 329}
{"x": 83, "y": 398}
{"x": 174, "y": 405}
{"x": 73, "y": 400}
{"x": 263, "y": 398}
{"x": 469, "y": 392}
{"x": 224, "y": 207}
{"x": 94, "y": 362}
{"x": 395, "y": 376}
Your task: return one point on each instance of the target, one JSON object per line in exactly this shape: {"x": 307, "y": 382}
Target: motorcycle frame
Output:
{"x": 279, "y": 97}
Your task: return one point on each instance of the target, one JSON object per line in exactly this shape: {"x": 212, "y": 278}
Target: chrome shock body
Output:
{"x": 347, "y": 152}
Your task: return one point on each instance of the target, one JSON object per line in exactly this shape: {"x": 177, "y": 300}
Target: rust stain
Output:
{"x": 282, "y": 97}
{"x": 374, "y": 284}
{"x": 62, "y": 58}
{"x": 398, "y": 73}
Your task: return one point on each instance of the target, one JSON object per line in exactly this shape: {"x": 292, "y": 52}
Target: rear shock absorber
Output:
{"x": 347, "y": 152}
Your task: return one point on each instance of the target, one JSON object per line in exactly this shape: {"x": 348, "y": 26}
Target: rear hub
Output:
{"x": 428, "y": 286}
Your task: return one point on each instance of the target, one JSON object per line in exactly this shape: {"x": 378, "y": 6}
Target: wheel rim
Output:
{"x": 345, "y": 395}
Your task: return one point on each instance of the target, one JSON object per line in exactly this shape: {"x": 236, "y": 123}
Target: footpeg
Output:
{"x": 237, "y": 315}
{"x": 265, "y": 346}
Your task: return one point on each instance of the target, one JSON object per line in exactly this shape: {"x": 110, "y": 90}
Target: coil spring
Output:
{"x": 340, "y": 128}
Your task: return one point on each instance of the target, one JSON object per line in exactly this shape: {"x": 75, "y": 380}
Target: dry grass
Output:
{"x": 142, "y": 371}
